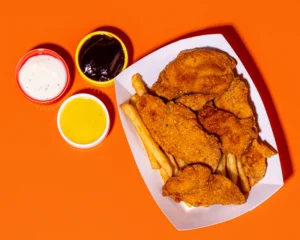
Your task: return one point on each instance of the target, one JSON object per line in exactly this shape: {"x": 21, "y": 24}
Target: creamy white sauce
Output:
{"x": 43, "y": 77}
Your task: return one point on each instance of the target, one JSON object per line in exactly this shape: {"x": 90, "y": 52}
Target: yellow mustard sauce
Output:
{"x": 83, "y": 120}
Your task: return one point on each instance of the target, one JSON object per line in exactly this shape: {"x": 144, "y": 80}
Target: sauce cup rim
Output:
{"x": 102, "y": 136}
{"x": 38, "y": 52}
{"x": 78, "y": 49}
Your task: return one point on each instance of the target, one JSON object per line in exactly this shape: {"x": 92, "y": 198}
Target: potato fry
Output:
{"x": 146, "y": 137}
{"x": 181, "y": 164}
{"x": 173, "y": 163}
{"x": 221, "y": 169}
{"x": 164, "y": 175}
{"x": 133, "y": 100}
{"x": 242, "y": 176}
{"x": 231, "y": 168}
{"x": 138, "y": 85}
{"x": 153, "y": 161}
{"x": 189, "y": 205}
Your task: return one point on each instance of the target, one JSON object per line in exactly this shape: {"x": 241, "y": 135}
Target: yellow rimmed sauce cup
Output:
{"x": 85, "y": 40}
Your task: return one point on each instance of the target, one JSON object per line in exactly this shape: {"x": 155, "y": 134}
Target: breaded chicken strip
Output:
{"x": 177, "y": 132}
{"x": 195, "y": 101}
{"x": 197, "y": 186}
{"x": 254, "y": 161}
{"x": 195, "y": 71}
{"x": 235, "y": 99}
{"x": 235, "y": 134}
{"x": 187, "y": 180}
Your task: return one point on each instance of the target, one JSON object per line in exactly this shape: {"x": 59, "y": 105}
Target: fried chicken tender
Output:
{"x": 197, "y": 186}
{"x": 235, "y": 134}
{"x": 254, "y": 161}
{"x": 235, "y": 99}
{"x": 178, "y": 134}
{"x": 195, "y": 71}
{"x": 191, "y": 177}
{"x": 195, "y": 101}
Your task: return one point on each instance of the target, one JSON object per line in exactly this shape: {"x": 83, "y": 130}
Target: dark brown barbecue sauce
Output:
{"x": 101, "y": 58}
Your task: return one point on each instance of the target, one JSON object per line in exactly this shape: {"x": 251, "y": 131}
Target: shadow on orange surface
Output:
{"x": 65, "y": 55}
{"x": 239, "y": 47}
{"x": 123, "y": 36}
{"x": 106, "y": 100}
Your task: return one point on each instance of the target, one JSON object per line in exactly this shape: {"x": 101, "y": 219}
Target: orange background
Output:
{"x": 48, "y": 190}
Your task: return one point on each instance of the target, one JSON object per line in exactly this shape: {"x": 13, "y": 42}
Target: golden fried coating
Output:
{"x": 197, "y": 186}
{"x": 195, "y": 71}
{"x": 234, "y": 135}
{"x": 249, "y": 122}
{"x": 191, "y": 177}
{"x": 180, "y": 109}
{"x": 254, "y": 161}
{"x": 178, "y": 135}
{"x": 235, "y": 99}
{"x": 195, "y": 101}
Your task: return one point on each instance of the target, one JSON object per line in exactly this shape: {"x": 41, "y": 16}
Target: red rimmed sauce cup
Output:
{"x": 42, "y": 76}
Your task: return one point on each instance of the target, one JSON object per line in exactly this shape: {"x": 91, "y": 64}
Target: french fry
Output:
{"x": 146, "y": 137}
{"x": 231, "y": 168}
{"x": 181, "y": 164}
{"x": 138, "y": 85}
{"x": 189, "y": 205}
{"x": 153, "y": 161}
{"x": 164, "y": 175}
{"x": 133, "y": 100}
{"x": 243, "y": 178}
{"x": 221, "y": 169}
{"x": 173, "y": 163}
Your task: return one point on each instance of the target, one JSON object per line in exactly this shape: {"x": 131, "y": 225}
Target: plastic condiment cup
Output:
{"x": 102, "y": 136}
{"x": 38, "y": 52}
{"x": 79, "y": 47}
